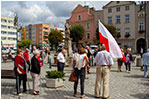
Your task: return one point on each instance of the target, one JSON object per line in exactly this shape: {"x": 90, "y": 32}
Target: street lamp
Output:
{"x": 143, "y": 5}
{"x": 16, "y": 24}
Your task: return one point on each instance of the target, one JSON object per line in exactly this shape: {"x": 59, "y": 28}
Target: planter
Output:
{"x": 127, "y": 35}
{"x": 54, "y": 83}
{"x": 141, "y": 31}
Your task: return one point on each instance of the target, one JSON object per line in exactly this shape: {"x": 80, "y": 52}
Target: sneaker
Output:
{"x": 20, "y": 94}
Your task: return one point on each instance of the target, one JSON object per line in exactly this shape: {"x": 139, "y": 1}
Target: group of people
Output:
{"x": 103, "y": 61}
{"x": 25, "y": 62}
{"x": 129, "y": 60}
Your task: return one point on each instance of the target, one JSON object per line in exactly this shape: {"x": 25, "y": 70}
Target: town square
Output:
{"x": 74, "y": 49}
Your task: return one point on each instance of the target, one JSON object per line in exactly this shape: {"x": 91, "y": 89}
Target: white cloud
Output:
{"x": 49, "y": 12}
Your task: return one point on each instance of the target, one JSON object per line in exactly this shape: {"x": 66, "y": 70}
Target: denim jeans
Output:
{"x": 145, "y": 71}
{"x": 80, "y": 74}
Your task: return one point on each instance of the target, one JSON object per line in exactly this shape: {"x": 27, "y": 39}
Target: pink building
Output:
{"x": 88, "y": 18}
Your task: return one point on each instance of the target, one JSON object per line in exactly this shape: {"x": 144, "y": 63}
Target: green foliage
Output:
{"x": 55, "y": 37}
{"x": 112, "y": 29}
{"x": 24, "y": 43}
{"x": 55, "y": 74}
{"x": 76, "y": 33}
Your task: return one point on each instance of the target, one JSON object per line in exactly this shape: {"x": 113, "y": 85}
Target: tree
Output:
{"x": 112, "y": 29}
{"x": 25, "y": 43}
{"x": 55, "y": 37}
{"x": 76, "y": 33}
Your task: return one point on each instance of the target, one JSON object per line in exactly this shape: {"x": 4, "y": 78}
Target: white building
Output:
{"x": 8, "y": 32}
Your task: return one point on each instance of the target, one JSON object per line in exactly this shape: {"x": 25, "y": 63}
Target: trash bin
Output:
{"x": 139, "y": 62}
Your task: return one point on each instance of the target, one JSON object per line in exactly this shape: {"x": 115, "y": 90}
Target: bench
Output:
{"x": 7, "y": 74}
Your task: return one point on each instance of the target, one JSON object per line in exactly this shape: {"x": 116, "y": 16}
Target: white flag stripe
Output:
{"x": 114, "y": 49}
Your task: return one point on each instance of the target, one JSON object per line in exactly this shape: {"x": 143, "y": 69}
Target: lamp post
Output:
{"x": 16, "y": 24}
{"x": 143, "y": 5}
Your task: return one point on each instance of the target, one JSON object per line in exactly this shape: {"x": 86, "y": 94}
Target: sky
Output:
{"x": 47, "y": 12}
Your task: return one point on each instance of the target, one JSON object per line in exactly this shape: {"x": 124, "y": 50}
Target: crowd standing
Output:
{"x": 83, "y": 59}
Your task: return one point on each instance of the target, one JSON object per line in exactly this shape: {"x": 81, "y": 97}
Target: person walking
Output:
{"x": 20, "y": 71}
{"x": 103, "y": 62}
{"x": 146, "y": 63}
{"x": 26, "y": 57}
{"x": 35, "y": 71}
{"x": 60, "y": 61}
{"x": 88, "y": 55}
{"x": 80, "y": 60}
{"x": 128, "y": 56}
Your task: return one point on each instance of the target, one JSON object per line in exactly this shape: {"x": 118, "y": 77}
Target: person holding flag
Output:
{"x": 103, "y": 60}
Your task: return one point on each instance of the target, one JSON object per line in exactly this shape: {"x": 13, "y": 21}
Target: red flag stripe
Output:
{"x": 104, "y": 40}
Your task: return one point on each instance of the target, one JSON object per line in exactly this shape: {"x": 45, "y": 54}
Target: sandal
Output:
{"x": 83, "y": 96}
{"x": 35, "y": 93}
{"x": 75, "y": 95}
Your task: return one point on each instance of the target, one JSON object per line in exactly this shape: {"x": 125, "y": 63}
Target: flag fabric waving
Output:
{"x": 110, "y": 43}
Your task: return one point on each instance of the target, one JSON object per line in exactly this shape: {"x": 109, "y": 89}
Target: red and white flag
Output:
{"x": 110, "y": 43}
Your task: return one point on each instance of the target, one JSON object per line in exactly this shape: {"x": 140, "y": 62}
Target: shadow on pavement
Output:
{"x": 140, "y": 96}
{"x": 135, "y": 76}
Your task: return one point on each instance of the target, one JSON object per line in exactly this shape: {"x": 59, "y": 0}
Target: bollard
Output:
{"x": 139, "y": 62}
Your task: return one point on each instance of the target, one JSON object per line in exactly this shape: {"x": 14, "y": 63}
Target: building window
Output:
{"x": 141, "y": 14}
{"x": 127, "y": 18}
{"x": 109, "y": 20}
{"x": 3, "y": 26}
{"x": 118, "y": 2}
{"x": 88, "y": 36}
{"x": 3, "y": 32}
{"x": 127, "y": 31}
{"x": 127, "y": 7}
{"x": 79, "y": 17}
{"x": 11, "y": 27}
{"x": 11, "y": 33}
{"x": 118, "y": 9}
{"x": 45, "y": 33}
{"x": 45, "y": 28}
{"x": 88, "y": 26}
{"x": 118, "y": 32}
{"x": 109, "y": 10}
{"x": 141, "y": 26}
{"x": 4, "y": 20}
{"x": 117, "y": 19}
{"x": 10, "y": 21}
{"x": 3, "y": 38}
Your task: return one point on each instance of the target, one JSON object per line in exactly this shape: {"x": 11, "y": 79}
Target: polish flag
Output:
{"x": 110, "y": 43}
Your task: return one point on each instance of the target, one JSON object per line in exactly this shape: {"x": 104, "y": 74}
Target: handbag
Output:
{"x": 73, "y": 77}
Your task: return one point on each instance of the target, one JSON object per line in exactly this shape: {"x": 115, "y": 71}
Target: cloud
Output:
{"x": 48, "y": 12}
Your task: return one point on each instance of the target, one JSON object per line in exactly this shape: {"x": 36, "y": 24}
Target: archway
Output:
{"x": 141, "y": 43}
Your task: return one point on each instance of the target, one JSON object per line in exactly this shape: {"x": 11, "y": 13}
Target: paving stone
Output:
{"x": 123, "y": 85}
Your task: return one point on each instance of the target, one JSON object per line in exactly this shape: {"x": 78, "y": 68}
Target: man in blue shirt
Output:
{"x": 146, "y": 62}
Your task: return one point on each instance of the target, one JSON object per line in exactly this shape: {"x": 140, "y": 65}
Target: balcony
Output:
{"x": 127, "y": 35}
{"x": 141, "y": 31}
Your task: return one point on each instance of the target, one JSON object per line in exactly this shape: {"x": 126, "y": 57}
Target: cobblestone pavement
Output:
{"x": 123, "y": 85}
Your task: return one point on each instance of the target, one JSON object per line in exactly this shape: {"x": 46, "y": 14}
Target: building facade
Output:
{"x": 88, "y": 18}
{"x": 8, "y": 32}
{"x": 37, "y": 33}
{"x": 126, "y": 16}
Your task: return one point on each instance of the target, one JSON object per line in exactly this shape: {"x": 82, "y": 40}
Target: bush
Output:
{"x": 55, "y": 74}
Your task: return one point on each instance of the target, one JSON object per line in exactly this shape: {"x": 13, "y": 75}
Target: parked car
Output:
{"x": 4, "y": 51}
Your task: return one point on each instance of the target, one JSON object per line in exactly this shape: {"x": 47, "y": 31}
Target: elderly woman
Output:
{"x": 35, "y": 71}
{"x": 20, "y": 71}
{"x": 128, "y": 56}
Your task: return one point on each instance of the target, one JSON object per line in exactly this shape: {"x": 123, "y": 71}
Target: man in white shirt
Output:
{"x": 60, "y": 61}
{"x": 146, "y": 63}
{"x": 103, "y": 62}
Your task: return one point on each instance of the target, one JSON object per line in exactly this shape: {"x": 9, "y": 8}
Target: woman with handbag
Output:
{"x": 80, "y": 60}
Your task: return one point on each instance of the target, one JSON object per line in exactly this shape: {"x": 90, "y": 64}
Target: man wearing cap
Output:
{"x": 103, "y": 62}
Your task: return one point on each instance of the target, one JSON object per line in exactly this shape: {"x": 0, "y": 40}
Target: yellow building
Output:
{"x": 8, "y": 32}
